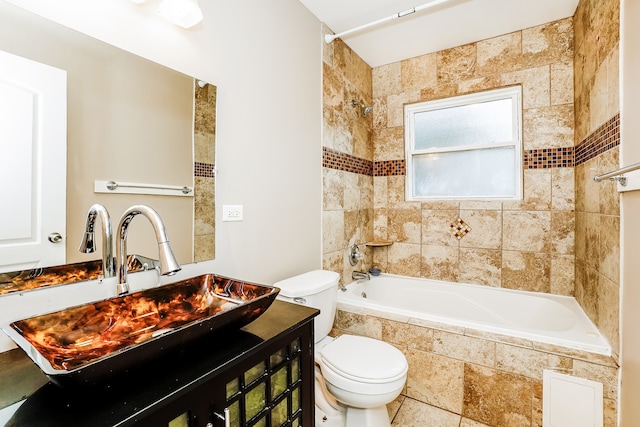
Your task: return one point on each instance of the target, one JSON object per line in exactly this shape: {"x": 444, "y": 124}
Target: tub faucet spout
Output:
{"x": 87, "y": 245}
{"x": 360, "y": 275}
{"x": 168, "y": 263}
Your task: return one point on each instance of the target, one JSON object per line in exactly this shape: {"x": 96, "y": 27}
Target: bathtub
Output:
{"x": 546, "y": 318}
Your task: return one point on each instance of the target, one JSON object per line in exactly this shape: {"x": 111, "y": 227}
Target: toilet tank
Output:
{"x": 317, "y": 289}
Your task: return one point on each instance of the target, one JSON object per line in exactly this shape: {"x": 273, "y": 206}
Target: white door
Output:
{"x": 33, "y": 157}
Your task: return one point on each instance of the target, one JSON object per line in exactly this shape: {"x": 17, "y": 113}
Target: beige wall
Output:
{"x": 204, "y": 152}
{"x": 630, "y": 212}
{"x": 596, "y": 65}
{"x": 526, "y": 245}
{"x": 347, "y": 195}
{"x": 503, "y": 248}
{"x": 465, "y": 377}
{"x": 562, "y": 238}
{"x": 268, "y": 121}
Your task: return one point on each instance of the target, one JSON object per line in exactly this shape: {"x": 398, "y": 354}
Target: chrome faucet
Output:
{"x": 355, "y": 254}
{"x": 168, "y": 263}
{"x": 360, "y": 275}
{"x": 87, "y": 245}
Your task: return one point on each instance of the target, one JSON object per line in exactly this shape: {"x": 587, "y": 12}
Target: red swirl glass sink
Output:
{"x": 84, "y": 343}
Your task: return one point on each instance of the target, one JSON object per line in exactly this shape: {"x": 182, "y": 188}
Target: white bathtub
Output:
{"x": 545, "y": 318}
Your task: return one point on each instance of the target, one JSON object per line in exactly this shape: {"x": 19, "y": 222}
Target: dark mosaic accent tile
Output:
{"x": 545, "y": 158}
{"x": 601, "y": 140}
{"x": 389, "y": 168}
{"x": 333, "y": 159}
{"x": 203, "y": 170}
{"x": 459, "y": 228}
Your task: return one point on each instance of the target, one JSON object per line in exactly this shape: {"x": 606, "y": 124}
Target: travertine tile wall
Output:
{"x": 597, "y": 288}
{"x": 473, "y": 378}
{"x": 347, "y": 195}
{"x": 525, "y": 245}
{"x": 204, "y": 177}
{"x": 562, "y": 238}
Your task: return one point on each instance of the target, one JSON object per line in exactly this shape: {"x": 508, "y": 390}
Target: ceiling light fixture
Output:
{"x": 185, "y": 13}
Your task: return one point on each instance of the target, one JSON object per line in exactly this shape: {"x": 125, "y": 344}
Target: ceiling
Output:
{"x": 446, "y": 25}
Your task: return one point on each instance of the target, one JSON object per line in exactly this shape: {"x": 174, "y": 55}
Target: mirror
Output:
{"x": 128, "y": 120}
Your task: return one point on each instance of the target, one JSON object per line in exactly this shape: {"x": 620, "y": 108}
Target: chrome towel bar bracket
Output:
{"x": 618, "y": 174}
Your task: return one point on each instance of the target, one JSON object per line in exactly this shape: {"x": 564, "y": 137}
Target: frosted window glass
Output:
{"x": 472, "y": 124}
{"x": 473, "y": 173}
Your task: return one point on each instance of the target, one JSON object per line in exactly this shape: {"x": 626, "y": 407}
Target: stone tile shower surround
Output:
{"x": 562, "y": 238}
{"x": 204, "y": 177}
{"x": 347, "y": 156}
{"x": 460, "y": 376}
{"x": 597, "y": 135}
{"x": 525, "y": 244}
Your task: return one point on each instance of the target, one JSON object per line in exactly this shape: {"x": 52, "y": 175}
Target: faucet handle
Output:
{"x": 355, "y": 254}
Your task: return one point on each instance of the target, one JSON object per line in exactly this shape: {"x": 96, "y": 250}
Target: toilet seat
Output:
{"x": 336, "y": 379}
{"x": 364, "y": 360}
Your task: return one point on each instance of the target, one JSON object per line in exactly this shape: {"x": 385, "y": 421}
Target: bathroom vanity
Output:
{"x": 259, "y": 375}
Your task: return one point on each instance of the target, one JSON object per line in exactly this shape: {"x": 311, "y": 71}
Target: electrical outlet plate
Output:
{"x": 232, "y": 213}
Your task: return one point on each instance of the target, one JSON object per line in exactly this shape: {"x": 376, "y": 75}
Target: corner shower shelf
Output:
{"x": 379, "y": 243}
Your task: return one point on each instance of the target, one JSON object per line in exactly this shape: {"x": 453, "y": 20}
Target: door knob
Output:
{"x": 55, "y": 237}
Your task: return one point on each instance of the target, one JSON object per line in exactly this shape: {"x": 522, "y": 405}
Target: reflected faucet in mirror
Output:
{"x": 87, "y": 245}
{"x": 168, "y": 263}
{"x": 182, "y": 142}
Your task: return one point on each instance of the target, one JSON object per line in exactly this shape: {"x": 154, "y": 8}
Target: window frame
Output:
{"x": 410, "y": 110}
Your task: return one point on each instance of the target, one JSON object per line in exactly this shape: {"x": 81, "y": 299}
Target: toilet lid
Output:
{"x": 364, "y": 359}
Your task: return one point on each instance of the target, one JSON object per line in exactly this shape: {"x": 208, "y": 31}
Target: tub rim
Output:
{"x": 349, "y": 301}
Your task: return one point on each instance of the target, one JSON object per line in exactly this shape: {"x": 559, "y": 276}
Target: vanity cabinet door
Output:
{"x": 269, "y": 391}
{"x": 271, "y": 388}
{"x": 191, "y": 410}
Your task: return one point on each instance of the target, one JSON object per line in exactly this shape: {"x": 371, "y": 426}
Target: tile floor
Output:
{"x": 407, "y": 412}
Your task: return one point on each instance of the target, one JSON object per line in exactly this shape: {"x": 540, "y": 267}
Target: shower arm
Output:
{"x": 365, "y": 109}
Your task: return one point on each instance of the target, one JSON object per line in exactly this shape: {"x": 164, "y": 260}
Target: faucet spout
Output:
{"x": 87, "y": 245}
{"x": 360, "y": 275}
{"x": 168, "y": 263}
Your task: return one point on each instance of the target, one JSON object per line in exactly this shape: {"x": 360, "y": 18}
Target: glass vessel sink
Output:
{"x": 86, "y": 343}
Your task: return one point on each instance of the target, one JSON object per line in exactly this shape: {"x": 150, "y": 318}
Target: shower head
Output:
{"x": 366, "y": 109}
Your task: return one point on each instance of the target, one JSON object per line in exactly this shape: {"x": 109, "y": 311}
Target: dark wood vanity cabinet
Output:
{"x": 261, "y": 375}
{"x": 271, "y": 388}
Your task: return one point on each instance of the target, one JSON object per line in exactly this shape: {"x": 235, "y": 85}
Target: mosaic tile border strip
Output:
{"x": 601, "y": 140}
{"x": 204, "y": 170}
{"x": 333, "y": 159}
{"x": 545, "y": 158}
{"x": 389, "y": 168}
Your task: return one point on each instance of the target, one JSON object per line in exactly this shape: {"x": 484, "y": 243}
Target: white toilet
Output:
{"x": 364, "y": 374}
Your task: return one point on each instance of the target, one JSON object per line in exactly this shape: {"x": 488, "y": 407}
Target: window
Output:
{"x": 465, "y": 147}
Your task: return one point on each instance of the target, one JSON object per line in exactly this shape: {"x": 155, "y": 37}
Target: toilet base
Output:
{"x": 372, "y": 417}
